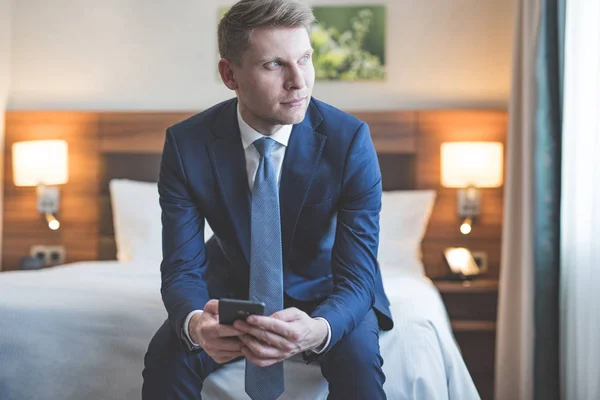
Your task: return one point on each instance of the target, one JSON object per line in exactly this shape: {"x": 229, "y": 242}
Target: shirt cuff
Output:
{"x": 186, "y": 326}
{"x": 321, "y": 349}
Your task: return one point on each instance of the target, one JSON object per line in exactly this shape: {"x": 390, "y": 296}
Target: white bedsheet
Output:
{"x": 80, "y": 331}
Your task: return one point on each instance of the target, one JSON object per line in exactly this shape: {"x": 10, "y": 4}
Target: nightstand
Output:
{"x": 472, "y": 307}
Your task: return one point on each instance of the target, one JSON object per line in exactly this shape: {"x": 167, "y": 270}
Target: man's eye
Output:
{"x": 273, "y": 64}
{"x": 305, "y": 58}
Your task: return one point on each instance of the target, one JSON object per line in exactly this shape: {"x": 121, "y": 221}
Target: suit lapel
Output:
{"x": 229, "y": 163}
{"x": 299, "y": 166}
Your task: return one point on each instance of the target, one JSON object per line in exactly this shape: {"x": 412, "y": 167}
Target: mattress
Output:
{"x": 80, "y": 331}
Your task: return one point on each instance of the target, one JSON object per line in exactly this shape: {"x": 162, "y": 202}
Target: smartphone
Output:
{"x": 233, "y": 309}
{"x": 461, "y": 262}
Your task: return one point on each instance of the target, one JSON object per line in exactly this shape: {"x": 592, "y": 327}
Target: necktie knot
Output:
{"x": 264, "y": 146}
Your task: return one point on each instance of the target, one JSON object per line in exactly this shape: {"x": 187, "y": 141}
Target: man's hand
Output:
{"x": 280, "y": 336}
{"x": 221, "y": 342}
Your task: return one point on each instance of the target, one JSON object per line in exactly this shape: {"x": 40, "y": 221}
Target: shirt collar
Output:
{"x": 249, "y": 135}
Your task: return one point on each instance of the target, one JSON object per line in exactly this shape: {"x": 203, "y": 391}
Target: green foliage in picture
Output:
{"x": 222, "y": 11}
{"x": 349, "y": 43}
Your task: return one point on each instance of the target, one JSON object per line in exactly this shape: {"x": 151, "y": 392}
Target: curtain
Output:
{"x": 515, "y": 328}
{"x": 580, "y": 208}
{"x": 547, "y": 194}
{"x": 527, "y": 352}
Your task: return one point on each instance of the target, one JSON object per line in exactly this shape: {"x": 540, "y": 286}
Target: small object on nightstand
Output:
{"x": 461, "y": 264}
{"x": 30, "y": 263}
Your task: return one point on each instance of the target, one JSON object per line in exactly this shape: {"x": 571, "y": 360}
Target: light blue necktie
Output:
{"x": 266, "y": 265}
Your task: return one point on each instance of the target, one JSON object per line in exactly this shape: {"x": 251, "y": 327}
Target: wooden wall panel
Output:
{"x": 144, "y": 132}
{"x": 23, "y": 226}
{"x": 93, "y": 135}
{"x": 136, "y": 132}
{"x": 392, "y": 131}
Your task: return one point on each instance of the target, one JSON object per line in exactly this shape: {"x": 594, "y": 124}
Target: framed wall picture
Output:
{"x": 349, "y": 42}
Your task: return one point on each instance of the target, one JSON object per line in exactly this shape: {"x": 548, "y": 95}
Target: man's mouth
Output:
{"x": 295, "y": 102}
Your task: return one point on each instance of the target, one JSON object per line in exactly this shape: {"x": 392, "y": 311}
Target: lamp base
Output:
{"x": 48, "y": 198}
{"x": 469, "y": 202}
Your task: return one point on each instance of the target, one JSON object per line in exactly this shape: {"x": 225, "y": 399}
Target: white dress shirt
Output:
{"x": 249, "y": 136}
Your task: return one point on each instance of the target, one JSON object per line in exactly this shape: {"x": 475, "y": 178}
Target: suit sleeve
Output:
{"x": 354, "y": 254}
{"x": 185, "y": 260}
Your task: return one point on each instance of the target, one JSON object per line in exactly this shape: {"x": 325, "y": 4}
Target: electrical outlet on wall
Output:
{"x": 38, "y": 252}
{"x": 52, "y": 255}
{"x": 56, "y": 255}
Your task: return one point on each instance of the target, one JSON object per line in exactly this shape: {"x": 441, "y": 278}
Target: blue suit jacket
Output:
{"x": 330, "y": 198}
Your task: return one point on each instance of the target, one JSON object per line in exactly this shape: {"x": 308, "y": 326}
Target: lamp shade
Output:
{"x": 40, "y": 162}
{"x": 476, "y": 164}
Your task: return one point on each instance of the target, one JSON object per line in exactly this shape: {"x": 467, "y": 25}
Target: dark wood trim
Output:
{"x": 471, "y": 286}
{"x": 473, "y": 326}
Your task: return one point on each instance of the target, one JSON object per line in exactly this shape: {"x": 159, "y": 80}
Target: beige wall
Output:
{"x": 161, "y": 54}
{"x": 5, "y": 67}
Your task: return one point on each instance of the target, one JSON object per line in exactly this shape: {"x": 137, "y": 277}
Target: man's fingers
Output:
{"x": 212, "y": 329}
{"x": 263, "y": 350}
{"x": 289, "y": 314}
{"x": 270, "y": 338}
{"x": 261, "y": 362}
{"x": 230, "y": 344}
{"x": 227, "y": 331}
{"x": 275, "y": 325}
{"x": 260, "y": 350}
{"x": 212, "y": 306}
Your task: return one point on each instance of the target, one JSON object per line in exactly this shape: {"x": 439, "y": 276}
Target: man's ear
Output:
{"x": 227, "y": 75}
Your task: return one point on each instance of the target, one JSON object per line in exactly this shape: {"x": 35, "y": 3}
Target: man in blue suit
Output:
{"x": 315, "y": 243}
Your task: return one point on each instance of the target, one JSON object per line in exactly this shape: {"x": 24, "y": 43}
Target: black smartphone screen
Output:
{"x": 233, "y": 309}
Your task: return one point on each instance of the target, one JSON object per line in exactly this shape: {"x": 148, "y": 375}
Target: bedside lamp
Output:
{"x": 42, "y": 163}
{"x": 470, "y": 166}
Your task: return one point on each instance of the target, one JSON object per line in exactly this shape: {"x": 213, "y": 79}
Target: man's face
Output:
{"x": 275, "y": 79}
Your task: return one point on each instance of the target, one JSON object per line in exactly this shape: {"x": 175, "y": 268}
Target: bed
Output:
{"x": 80, "y": 331}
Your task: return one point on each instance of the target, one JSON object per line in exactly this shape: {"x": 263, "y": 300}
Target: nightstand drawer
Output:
{"x": 472, "y": 307}
{"x": 478, "y": 351}
{"x": 467, "y": 306}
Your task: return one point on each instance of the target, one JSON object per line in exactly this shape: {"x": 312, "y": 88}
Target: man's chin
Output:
{"x": 292, "y": 118}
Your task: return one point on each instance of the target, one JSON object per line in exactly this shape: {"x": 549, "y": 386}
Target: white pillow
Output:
{"x": 403, "y": 220}
{"x": 137, "y": 220}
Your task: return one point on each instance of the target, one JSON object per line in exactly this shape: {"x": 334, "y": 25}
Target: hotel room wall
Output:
{"x": 5, "y": 36}
{"x": 124, "y": 56}
{"x": 130, "y": 55}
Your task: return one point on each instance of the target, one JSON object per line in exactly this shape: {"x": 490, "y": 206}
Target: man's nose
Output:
{"x": 295, "y": 79}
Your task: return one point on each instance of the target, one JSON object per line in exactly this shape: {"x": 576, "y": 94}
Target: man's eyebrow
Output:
{"x": 267, "y": 59}
{"x": 277, "y": 58}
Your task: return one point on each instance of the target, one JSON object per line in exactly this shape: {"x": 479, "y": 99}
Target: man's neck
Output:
{"x": 260, "y": 125}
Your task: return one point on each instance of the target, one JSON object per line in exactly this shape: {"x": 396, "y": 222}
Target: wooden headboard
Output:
{"x": 106, "y": 145}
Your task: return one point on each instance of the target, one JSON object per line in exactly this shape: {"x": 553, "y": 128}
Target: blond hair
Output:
{"x": 238, "y": 23}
